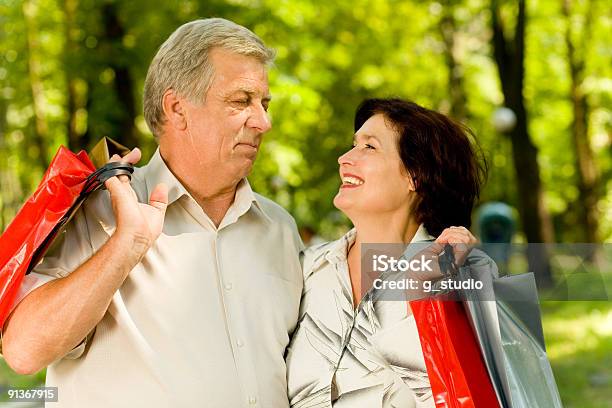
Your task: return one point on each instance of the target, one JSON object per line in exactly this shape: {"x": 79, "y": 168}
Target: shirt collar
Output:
{"x": 244, "y": 200}
{"x": 422, "y": 235}
{"x": 337, "y": 250}
{"x": 157, "y": 171}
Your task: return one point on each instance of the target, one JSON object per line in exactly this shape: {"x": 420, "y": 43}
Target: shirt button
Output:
{"x": 228, "y": 286}
{"x": 239, "y": 343}
{"x": 252, "y": 400}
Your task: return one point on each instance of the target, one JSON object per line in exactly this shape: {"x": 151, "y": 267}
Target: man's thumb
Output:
{"x": 159, "y": 197}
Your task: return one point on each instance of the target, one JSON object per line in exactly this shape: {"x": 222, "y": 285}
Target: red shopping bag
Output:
{"x": 456, "y": 370}
{"x": 69, "y": 179}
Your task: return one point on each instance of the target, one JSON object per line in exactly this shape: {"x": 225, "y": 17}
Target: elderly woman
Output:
{"x": 411, "y": 175}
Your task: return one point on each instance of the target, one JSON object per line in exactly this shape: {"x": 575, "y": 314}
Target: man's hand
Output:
{"x": 141, "y": 223}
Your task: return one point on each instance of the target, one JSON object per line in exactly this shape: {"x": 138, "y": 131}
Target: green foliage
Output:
{"x": 329, "y": 59}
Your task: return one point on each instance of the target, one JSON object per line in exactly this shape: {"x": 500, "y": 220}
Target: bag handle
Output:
{"x": 95, "y": 181}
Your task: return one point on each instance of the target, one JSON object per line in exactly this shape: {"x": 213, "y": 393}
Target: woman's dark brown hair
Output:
{"x": 446, "y": 166}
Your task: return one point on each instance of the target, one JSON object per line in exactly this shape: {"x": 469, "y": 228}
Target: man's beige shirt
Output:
{"x": 202, "y": 321}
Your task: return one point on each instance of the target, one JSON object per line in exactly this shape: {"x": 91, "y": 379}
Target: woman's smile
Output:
{"x": 351, "y": 181}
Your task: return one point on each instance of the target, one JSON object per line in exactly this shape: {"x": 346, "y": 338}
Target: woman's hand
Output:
{"x": 460, "y": 239}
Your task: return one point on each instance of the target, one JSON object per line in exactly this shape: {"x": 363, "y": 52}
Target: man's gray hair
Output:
{"x": 182, "y": 62}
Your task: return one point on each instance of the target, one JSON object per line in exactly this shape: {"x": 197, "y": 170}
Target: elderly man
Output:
{"x": 181, "y": 288}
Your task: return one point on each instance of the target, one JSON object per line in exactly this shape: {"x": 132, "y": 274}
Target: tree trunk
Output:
{"x": 87, "y": 139}
{"x": 456, "y": 90}
{"x": 36, "y": 85}
{"x": 509, "y": 56}
{"x": 10, "y": 201}
{"x": 585, "y": 163}
{"x": 3, "y": 164}
{"x": 113, "y": 33}
{"x": 72, "y": 135}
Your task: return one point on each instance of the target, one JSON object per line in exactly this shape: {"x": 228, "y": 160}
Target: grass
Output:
{"x": 579, "y": 345}
{"x": 9, "y": 379}
{"x": 578, "y": 333}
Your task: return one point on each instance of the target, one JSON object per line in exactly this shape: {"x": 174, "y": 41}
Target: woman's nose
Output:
{"x": 347, "y": 158}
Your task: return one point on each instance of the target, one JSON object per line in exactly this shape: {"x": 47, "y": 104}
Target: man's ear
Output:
{"x": 174, "y": 109}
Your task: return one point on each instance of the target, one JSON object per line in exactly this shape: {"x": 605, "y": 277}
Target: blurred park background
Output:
{"x": 533, "y": 79}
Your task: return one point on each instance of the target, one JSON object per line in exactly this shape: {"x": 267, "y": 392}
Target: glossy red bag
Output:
{"x": 455, "y": 367}
{"x": 67, "y": 182}
{"x": 55, "y": 195}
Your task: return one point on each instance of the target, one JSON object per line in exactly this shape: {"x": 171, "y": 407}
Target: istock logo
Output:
{"x": 385, "y": 263}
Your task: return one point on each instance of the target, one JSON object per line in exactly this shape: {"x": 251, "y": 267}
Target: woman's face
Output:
{"x": 373, "y": 178}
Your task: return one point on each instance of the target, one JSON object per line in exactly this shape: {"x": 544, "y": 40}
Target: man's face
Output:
{"x": 225, "y": 131}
